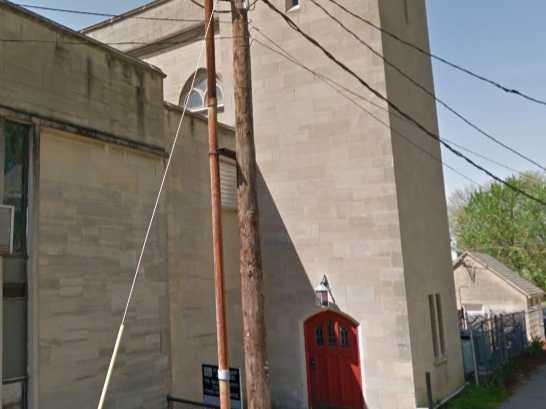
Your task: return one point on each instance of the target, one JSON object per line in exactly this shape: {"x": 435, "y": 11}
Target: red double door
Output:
{"x": 333, "y": 363}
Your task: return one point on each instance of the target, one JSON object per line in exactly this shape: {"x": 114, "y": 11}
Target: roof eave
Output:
{"x": 502, "y": 277}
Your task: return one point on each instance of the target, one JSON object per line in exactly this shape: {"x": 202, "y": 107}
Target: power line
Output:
{"x": 334, "y": 84}
{"x": 119, "y": 43}
{"x": 441, "y": 59}
{"x": 394, "y": 106}
{"x": 486, "y": 158}
{"x": 426, "y": 90}
{"x": 338, "y": 88}
{"x": 113, "y": 16}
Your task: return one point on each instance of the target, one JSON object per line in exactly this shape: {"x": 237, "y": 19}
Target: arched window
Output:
{"x": 196, "y": 96}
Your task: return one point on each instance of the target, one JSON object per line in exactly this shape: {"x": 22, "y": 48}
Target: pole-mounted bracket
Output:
{"x": 224, "y": 375}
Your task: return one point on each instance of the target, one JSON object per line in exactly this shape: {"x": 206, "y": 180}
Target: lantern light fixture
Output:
{"x": 323, "y": 293}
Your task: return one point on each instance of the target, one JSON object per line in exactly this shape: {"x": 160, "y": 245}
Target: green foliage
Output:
{"x": 502, "y": 374}
{"x": 479, "y": 397}
{"x": 536, "y": 346}
{"x": 504, "y": 224}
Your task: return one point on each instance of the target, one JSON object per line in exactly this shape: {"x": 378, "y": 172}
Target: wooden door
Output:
{"x": 333, "y": 363}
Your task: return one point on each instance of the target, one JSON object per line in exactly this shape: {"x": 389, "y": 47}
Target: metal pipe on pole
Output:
{"x": 252, "y": 286}
{"x": 216, "y": 201}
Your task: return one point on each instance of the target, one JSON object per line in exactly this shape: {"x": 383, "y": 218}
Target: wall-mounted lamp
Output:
{"x": 323, "y": 293}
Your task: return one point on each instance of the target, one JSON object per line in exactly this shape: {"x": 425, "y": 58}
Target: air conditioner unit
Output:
{"x": 7, "y": 219}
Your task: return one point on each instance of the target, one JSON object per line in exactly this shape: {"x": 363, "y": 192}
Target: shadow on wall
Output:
{"x": 289, "y": 297}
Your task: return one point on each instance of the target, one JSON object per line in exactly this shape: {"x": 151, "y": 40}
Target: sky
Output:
{"x": 500, "y": 39}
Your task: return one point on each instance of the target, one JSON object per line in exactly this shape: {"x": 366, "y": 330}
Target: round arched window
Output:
{"x": 196, "y": 96}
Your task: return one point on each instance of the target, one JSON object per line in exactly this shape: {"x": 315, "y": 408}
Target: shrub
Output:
{"x": 536, "y": 346}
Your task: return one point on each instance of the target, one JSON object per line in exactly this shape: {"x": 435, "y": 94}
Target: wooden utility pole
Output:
{"x": 252, "y": 288}
{"x": 221, "y": 332}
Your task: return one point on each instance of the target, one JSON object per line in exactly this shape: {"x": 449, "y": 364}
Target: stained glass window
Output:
{"x": 332, "y": 339}
{"x": 319, "y": 336}
{"x": 15, "y": 176}
{"x": 344, "y": 336}
{"x": 196, "y": 96}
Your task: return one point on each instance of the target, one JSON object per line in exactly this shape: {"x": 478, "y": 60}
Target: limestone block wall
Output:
{"x": 144, "y": 30}
{"x": 94, "y": 203}
{"x": 60, "y": 74}
{"x": 328, "y": 203}
{"x": 426, "y": 254}
{"x": 191, "y": 276}
{"x": 179, "y": 60}
{"x": 179, "y": 65}
{"x": 341, "y": 194}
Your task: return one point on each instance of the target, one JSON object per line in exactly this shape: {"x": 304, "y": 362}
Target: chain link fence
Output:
{"x": 494, "y": 340}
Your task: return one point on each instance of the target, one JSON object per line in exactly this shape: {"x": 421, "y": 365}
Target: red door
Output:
{"x": 333, "y": 363}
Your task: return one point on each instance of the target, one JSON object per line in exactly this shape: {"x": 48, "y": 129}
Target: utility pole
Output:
{"x": 252, "y": 287}
{"x": 221, "y": 332}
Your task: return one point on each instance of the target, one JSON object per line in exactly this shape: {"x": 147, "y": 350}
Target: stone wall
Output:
{"x": 328, "y": 203}
{"x": 180, "y": 59}
{"x": 96, "y": 162}
{"x": 191, "y": 274}
{"x": 94, "y": 204}
{"x": 426, "y": 253}
{"x": 339, "y": 196}
{"x": 63, "y": 75}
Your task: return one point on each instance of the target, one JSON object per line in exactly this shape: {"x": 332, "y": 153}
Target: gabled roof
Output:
{"x": 501, "y": 270}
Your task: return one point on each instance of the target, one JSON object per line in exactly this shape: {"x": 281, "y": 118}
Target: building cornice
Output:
{"x": 177, "y": 39}
{"x": 8, "y": 112}
{"x": 123, "y": 16}
{"x": 82, "y": 37}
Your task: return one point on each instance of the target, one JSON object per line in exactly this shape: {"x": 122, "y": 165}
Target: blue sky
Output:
{"x": 500, "y": 39}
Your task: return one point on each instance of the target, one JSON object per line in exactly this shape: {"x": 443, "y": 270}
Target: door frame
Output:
{"x": 360, "y": 350}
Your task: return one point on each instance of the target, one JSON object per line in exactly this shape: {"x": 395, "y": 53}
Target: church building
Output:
{"x": 342, "y": 195}
{"x": 359, "y": 289}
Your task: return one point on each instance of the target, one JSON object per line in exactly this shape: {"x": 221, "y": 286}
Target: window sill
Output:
{"x": 440, "y": 361}
{"x": 205, "y": 110}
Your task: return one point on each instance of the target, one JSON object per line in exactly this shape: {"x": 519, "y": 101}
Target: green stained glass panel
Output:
{"x": 15, "y": 173}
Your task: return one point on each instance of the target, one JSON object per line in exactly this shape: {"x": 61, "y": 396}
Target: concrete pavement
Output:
{"x": 532, "y": 395}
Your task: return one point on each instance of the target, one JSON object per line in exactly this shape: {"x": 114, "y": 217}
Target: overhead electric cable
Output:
{"x": 425, "y": 89}
{"x": 149, "y": 228}
{"x": 482, "y": 156}
{"x": 281, "y": 51}
{"x": 394, "y": 106}
{"x": 341, "y": 91}
{"x": 113, "y": 16}
{"x": 441, "y": 59}
{"x": 345, "y": 9}
{"x": 117, "y": 43}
